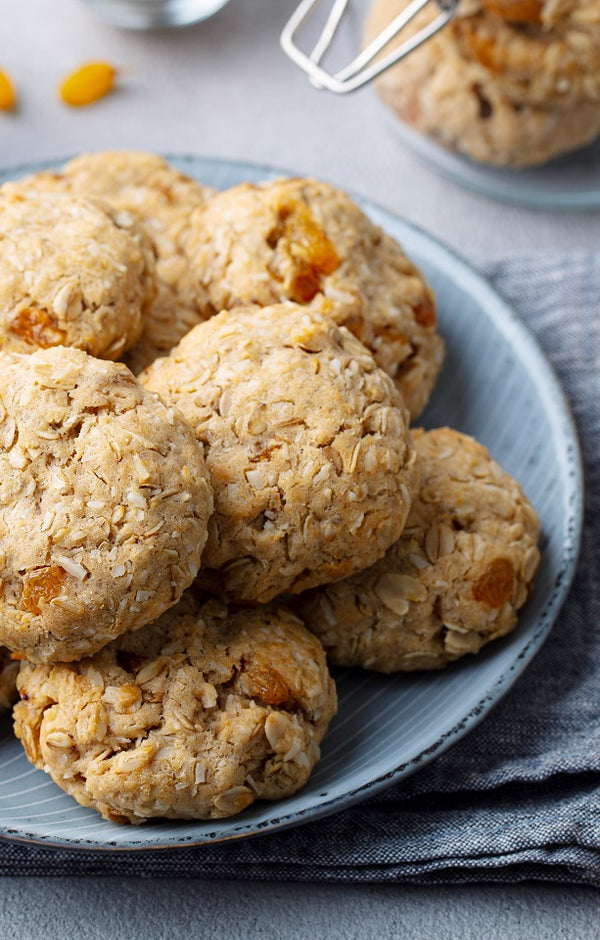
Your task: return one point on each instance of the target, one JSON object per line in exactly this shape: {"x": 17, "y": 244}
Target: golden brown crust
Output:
{"x": 161, "y": 199}
{"x": 72, "y": 273}
{"x": 305, "y": 241}
{"x": 508, "y": 82}
{"x": 453, "y": 581}
{"x": 194, "y": 716}
{"x": 104, "y": 502}
{"x": 306, "y": 442}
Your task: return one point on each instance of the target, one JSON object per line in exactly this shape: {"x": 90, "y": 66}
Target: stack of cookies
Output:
{"x": 510, "y": 83}
{"x": 188, "y": 535}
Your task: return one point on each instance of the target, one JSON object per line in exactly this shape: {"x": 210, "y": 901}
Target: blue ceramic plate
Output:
{"x": 568, "y": 182}
{"x": 497, "y": 386}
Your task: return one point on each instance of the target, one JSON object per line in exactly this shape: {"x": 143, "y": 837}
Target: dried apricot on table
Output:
{"x": 8, "y": 97}
{"x": 42, "y": 585}
{"x": 87, "y": 84}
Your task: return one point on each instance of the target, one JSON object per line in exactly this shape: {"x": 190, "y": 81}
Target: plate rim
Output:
{"x": 505, "y": 317}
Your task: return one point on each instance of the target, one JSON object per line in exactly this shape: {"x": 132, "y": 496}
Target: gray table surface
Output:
{"x": 224, "y": 89}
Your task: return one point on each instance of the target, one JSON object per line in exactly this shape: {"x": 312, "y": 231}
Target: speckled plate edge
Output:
{"x": 426, "y": 251}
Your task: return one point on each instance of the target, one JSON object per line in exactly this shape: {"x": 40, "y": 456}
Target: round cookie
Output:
{"x": 144, "y": 184}
{"x": 306, "y": 443}
{"x": 195, "y": 716}
{"x": 510, "y": 83}
{"x": 8, "y": 679}
{"x": 162, "y": 200}
{"x": 72, "y": 273}
{"x": 453, "y": 581}
{"x": 104, "y": 502}
{"x": 305, "y": 241}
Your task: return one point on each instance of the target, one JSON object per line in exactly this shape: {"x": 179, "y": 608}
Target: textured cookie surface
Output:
{"x": 453, "y": 581}
{"x": 104, "y": 501}
{"x": 8, "y": 679}
{"x": 72, "y": 273}
{"x": 194, "y": 716}
{"x": 306, "y": 443}
{"x": 507, "y": 82}
{"x": 162, "y": 200}
{"x": 305, "y": 241}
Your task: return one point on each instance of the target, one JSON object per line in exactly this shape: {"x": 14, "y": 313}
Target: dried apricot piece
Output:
{"x": 496, "y": 584}
{"x": 516, "y": 11}
{"x": 484, "y": 49}
{"x": 312, "y": 252}
{"x": 87, "y": 84}
{"x": 37, "y": 328}
{"x": 42, "y": 586}
{"x": 266, "y": 684}
{"x": 425, "y": 313}
{"x": 8, "y": 96}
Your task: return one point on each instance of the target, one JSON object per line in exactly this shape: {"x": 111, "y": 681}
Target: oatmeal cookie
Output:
{"x": 306, "y": 443}
{"x": 511, "y": 83}
{"x": 104, "y": 501}
{"x": 195, "y": 716}
{"x": 72, "y": 273}
{"x": 305, "y": 241}
{"x": 453, "y": 581}
{"x": 8, "y": 679}
{"x": 162, "y": 200}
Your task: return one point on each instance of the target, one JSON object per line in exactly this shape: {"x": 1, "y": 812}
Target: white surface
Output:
{"x": 223, "y": 88}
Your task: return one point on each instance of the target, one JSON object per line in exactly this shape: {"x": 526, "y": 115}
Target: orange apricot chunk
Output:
{"x": 8, "y": 95}
{"x": 87, "y": 84}
{"x": 516, "y": 11}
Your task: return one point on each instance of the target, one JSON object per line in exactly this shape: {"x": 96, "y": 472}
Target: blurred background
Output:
{"x": 224, "y": 88}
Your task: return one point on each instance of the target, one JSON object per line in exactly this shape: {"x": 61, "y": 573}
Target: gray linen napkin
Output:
{"x": 519, "y": 797}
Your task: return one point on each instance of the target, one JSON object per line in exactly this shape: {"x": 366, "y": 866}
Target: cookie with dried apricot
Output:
{"x": 161, "y": 199}
{"x": 307, "y": 445}
{"x": 510, "y": 83}
{"x": 306, "y": 241}
{"x": 72, "y": 273}
{"x": 194, "y": 716}
{"x": 454, "y": 580}
{"x": 104, "y": 503}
